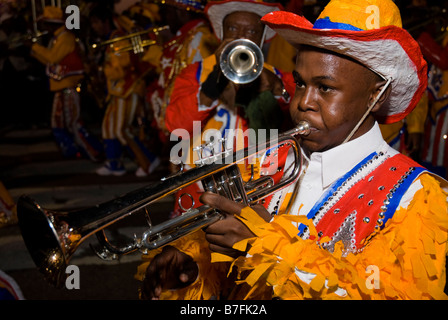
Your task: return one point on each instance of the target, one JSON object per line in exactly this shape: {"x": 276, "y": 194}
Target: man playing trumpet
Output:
{"x": 202, "y": 92}
{"x": 359, "y": 207}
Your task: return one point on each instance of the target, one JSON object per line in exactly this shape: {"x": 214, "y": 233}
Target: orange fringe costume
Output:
{"x": 409, "y": 253}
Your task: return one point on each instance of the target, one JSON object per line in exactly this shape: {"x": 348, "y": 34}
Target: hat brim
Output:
{"x": 50, "y": 20}
{"x": 389, "y": 51}
{"x": 218, "y": 10}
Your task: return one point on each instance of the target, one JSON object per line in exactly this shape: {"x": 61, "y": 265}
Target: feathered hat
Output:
{"x": 218, "y": 10}
{"x": 369, "y": 31}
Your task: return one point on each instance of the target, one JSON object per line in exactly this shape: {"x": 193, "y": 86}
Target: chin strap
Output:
{"x": 263, "y": 37}
{"x": 368, "y": 111}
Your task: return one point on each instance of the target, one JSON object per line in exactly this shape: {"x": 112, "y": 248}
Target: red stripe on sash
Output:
{"x": 356, "y": 216}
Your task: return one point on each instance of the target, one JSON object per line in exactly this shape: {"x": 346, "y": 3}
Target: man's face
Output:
{"x": 242, "y": 24}
{"x": 332, "y": 94}
{"x": 51, "y": 27}
{"x": 100, "y": 28}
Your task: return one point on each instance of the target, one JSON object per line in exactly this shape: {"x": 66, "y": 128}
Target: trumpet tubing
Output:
{"x": 137, "y": 44}
{"x": 52, "y": 237}
{"x": 18, "y": 41}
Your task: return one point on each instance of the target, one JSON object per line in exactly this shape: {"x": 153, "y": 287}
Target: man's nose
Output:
{"x": 307, "y": 100}
{"x": 241, "y": 34}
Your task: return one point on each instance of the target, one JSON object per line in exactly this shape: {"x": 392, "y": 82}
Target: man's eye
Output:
{"x": 324, "y": 88}
{"x": 298, "y": 80}
{"x": 300, "y": 84}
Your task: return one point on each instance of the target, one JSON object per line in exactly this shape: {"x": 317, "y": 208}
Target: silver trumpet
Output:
{"x": 241, "y": 61}
{"x": 136, "y": 43}
{"x": 20, "y": 40}
{"x": 52, "y": 237}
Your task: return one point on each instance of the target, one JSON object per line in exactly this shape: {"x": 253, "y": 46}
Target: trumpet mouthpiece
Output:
{"x": 303, "y": 128}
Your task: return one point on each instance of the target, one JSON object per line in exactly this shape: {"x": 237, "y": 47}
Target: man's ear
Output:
{"x": 379, "y": 86}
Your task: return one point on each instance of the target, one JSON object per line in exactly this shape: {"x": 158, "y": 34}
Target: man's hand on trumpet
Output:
{"x": 223, "y": 234}
{"x": 173, "y": 269}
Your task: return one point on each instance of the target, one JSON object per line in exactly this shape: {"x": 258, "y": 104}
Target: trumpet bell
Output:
{"x": 42, "y": 240}
{"x": 241, "y": 61}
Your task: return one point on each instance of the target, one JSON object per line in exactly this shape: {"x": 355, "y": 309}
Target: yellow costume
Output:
{"x": 409, "y": 267}
{"x": 414, "y": 123}
{"x": 63, "y": 44}
{"x": 281, "y": 54}
{"x": 126, "y": 87}
{"x": 65, "y": 70}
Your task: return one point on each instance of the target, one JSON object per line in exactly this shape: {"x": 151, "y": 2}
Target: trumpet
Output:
{"x": 52, "y": 237}
{"x": 241, "y": 61}
{"x": 137, "y": 43}
{"x": 20, "y": 40}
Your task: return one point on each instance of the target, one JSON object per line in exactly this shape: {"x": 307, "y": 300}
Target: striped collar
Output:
{"x": 341, "y": 159}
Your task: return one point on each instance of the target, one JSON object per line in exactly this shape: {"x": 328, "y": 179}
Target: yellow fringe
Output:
{"x": 409, "y": 253}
